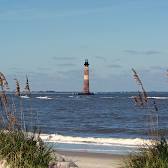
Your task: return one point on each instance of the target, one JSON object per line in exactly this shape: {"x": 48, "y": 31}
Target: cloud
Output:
{"x": 63, "y": 58}
{"x": 100, "y": 58}
{"x": 67, "y": 64}
{"x": 152, "y": 52}
{"x": 44, "y": 69}
{"x": 16, "y": 69}
{"x": 19, "y": 71}
{"x": 148, "y": 52}
{"x": 117, "y": 60}
{"x": 71, "y": 73}
{"x": 157, "y": 68}
{"x": 153, "y": 69}
{"x": 65, "y": 61}
{"x": 25, "y": 13}
{"x": 114, "y": 66}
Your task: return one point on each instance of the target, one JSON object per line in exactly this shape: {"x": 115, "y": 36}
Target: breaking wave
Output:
{"x": 55, "y": 138}
{"x": 154, "y": 97}
{"x": 44, "y": 97}
{"x": 161, "y": 98}
{"x": 25, "y": 97}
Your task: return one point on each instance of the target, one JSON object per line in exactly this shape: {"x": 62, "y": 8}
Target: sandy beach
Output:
{"x": 94, "y": 160}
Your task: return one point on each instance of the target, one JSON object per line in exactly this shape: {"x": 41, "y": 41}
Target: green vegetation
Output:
{"x": 151, "y": 156}
{"x": 156, "y": 154}
{"x": 21, "y": 150}
{"x": 18, "y": 147}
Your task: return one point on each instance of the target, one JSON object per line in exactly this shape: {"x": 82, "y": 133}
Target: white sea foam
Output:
{"x": 44, "y": 97}
{"x": 155, "y": 97}
{"x": 25, "y": 97}
{"x": 55, "y": 138}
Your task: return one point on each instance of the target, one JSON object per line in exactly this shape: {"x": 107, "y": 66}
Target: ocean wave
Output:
{"x": 106, "y": 97}
{"x": 154, "y": 97}
{"x": 25, "y": 97}
{"x": 91, "y": 140}
{"x": 44, "y": 97}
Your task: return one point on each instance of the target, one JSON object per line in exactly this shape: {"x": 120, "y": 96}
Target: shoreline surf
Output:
{"x": 119, "y": 146}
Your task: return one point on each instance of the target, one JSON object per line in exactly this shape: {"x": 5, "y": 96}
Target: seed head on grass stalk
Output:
{"x": 136, "y": 77}
{"x": 142, "y": 100}
{"x": 17, "y": 92}
{"x": 27, "y": 87}
{"x": 3, "y": 82}
{"x": 4, "y": 99}
{"x": 4, "y": 88}
{"x": 139, "y": 82}
{"x": 142, "y": 95}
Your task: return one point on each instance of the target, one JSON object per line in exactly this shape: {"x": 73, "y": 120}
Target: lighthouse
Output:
{"x": 86, "y": 78}
{"x": 86, "y": 90}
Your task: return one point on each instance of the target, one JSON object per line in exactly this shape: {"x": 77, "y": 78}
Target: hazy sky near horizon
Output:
{"x": 49, "y": 40}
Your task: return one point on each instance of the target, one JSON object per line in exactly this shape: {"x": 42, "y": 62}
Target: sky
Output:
{"x": 48, "y": 40}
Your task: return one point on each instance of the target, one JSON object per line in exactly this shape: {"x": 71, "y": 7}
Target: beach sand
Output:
{"x": 94, "y": 160}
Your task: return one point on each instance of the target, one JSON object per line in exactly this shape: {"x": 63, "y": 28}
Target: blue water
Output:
{"x": 99, "y": 115}
{"x": 103, "y": 115}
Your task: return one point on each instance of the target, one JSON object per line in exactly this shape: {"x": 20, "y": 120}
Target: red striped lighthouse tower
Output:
{"x": 86, "y": 78}
{"x": 86, "y": 90}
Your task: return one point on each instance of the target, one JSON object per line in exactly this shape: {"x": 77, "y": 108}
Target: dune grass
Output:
{"x": 150, "y": 156}
{"x": 21, "y": 150}
{"x": 154, "y": 155}
{"x": 18, "y": 147}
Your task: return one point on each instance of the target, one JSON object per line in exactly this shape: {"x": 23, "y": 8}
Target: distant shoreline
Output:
{"x": 96, "y": 92}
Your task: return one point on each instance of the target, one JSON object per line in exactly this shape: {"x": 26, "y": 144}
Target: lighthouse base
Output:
{"x": 82, "y": 93}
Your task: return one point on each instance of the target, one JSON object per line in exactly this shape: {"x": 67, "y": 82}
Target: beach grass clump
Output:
{"x": 21, "y": 150}
{"x": 150, "y": 156}
{"x": 19, "y": 147}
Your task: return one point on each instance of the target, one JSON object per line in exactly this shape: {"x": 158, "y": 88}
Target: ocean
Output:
{"x": 102, "y": 123}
